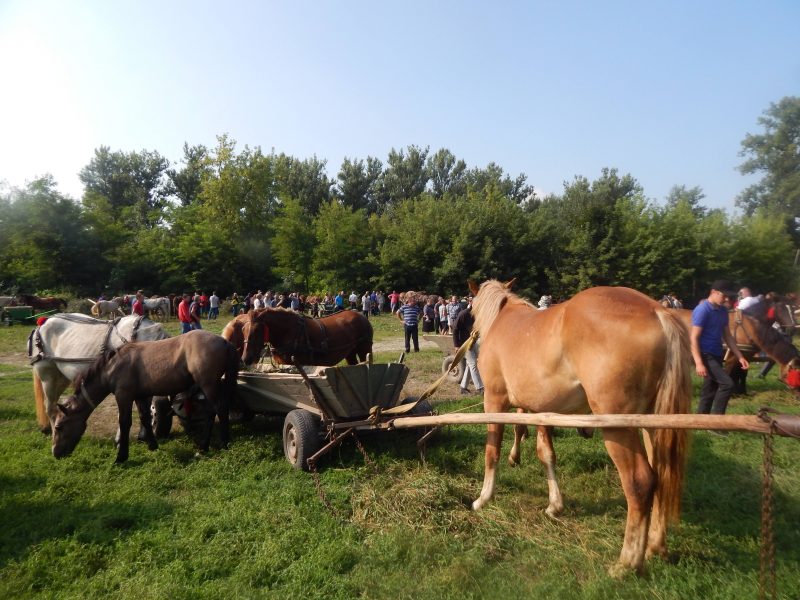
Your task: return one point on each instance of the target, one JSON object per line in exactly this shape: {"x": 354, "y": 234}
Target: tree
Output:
{"x": 342, "y": 255}
{"x": 293, "y": 243}
{"x": 134, "y": 183}
{"x": 406, "y": 176}
{"x": 517, "y": 189}
{"x": 46, "y": 242}
{"x": 361, "y": 184}
{"x": 304, "y": 180}
{"x": 186, "y": 183}
{"x": 691, "y": 197}
{"x": 775, "y": 154}
{"x": 446, "y": 174}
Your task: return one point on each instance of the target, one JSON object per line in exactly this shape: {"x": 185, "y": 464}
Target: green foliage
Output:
{"x": 240, "y": 220}
{"x": 343, "y": 249}
{"x": 775, "y": 155}
{"x": 44, "y": 236}
{"x": 293, "y": 244}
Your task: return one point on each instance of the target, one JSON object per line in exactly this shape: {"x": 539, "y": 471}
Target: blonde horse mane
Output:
{"x": 486, "y": 305}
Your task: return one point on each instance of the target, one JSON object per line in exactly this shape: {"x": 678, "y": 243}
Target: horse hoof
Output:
{"x": 477, "y": 505}
{"x": 46, "y": 430}
{"x": 152, "y": 447}
{"x": 553, "y": 511}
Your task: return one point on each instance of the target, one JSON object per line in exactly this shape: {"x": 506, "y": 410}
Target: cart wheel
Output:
{"x": 454, "y": 373}
{"x": 300, "y": 437}
{"x": 161, "y": 416}
{"x": 424, "y": 408}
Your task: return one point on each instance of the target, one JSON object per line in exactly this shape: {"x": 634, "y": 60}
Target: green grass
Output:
{"x": 242, "y": 523}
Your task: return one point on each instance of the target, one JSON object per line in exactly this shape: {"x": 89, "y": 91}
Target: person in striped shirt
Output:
{"x": 409, "y": 315}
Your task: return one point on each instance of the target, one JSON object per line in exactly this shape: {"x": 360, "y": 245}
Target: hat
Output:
{"x": 724, "y": 286}
{"x": 545, "y": 301}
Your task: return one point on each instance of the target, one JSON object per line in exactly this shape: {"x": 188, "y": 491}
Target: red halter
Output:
{"x": 793, "y": 378}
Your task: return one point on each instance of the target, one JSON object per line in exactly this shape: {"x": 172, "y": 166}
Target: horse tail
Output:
{"x": 670, "y": 446}
{"x": 38, "y": 394}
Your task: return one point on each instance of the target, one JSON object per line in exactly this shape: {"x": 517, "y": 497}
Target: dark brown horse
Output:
{"x": 298, "y": 339}
{"x": 607, "y": 350}
{"x": 140, "y": 370}
{"x": 38, "y": 303}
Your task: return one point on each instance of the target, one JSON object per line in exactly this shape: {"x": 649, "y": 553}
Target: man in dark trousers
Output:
{"x": 709, "y": 330}
{"x": 461, "y": 332}
{"x": 409, "y": 315}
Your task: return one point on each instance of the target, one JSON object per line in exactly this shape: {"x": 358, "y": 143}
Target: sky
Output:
{"x": 664, "y": 91}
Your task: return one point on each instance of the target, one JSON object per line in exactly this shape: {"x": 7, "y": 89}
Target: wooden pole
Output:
{"x": 786, "y": 424}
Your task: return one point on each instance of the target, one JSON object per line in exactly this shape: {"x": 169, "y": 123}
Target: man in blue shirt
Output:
{"x": 409, "y": 315}
{"x": 709, "y": 330}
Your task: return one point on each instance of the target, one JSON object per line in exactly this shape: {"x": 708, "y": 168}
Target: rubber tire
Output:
{"x": 454, "y": 374}
{"x": 423, "y": 408}
{"x": 161, "y": 416}
{"x": 301, "y": 437}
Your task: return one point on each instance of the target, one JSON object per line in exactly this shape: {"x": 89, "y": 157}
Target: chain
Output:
{"x": 367, "y": 460}
{"x": 766, "y": 576}
{"x": 321, "y": 492}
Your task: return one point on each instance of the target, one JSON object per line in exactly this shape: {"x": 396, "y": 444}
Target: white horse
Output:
{"x": 105, "y": 308}
{"x": 66, "y": 344}
{"x": 158, "y": 306}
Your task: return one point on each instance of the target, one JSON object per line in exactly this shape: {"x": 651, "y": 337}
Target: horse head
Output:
{"x": 255, "y": 333}
{"x": 70, "y": 425}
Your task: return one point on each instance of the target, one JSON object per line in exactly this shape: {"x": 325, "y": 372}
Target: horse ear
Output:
{"x": 473, "y": 287}
{"x": 508, "y": 284}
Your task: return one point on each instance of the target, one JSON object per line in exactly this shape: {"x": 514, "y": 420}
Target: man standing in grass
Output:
{"x": 709, "y": 330}
{"x": 409, "y": 315}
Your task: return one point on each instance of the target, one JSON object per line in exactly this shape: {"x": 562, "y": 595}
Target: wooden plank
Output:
{"x": 751, "y": 423}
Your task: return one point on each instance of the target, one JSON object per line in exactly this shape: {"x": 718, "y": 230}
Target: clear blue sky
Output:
{"x": 665, "y": 91}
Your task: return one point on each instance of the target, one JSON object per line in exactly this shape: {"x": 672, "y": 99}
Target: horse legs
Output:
{"x": 53, "y": 384}
{"x": 494, "y": 441}
{"x": 657, "y": 535}
{"x": 520, "y": 434}
{"x": 546, "y": 454}
{"x": 125, "y": 407}
{"x": 143, "y": 407}
{"x": 638, "y": 483}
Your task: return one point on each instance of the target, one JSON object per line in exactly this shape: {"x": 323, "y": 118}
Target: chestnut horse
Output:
{"x": 607, "y": 350}
{"x": 301, "y": 340}
{"x": 140, "y": 370}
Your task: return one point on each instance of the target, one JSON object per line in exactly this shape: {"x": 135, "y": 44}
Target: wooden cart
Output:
{"x": 324, "y": 405}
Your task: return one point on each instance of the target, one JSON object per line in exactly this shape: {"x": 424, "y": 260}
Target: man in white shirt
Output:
{"x": 213, "y": 306}
{"x": 746, "y": 299}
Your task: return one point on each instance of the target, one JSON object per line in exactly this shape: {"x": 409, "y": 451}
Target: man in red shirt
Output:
{"x": 184, "y": 316}
{"x": 138, "y": 304}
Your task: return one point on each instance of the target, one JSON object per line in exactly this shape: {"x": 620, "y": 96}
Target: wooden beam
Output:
{"x": 787, "y": 424}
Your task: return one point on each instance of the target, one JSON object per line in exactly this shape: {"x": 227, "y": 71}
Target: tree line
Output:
{"x": 241, "y": 219}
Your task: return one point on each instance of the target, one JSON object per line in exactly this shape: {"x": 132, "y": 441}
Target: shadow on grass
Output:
{"x": 724, "y": 497}
{"x": 28, "y": 521}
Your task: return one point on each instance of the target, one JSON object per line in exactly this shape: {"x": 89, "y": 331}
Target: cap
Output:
{"x": 724, "y": 286}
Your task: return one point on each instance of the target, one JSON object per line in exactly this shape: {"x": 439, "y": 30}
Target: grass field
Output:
{"x": 242, "y": 523}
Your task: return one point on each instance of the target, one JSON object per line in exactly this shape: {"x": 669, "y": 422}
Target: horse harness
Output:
{"x": 302, "y": 333}
{"x": 35, "y": 340}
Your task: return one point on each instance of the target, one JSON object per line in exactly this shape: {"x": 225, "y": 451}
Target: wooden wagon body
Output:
{"x": 325, "y": 405}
